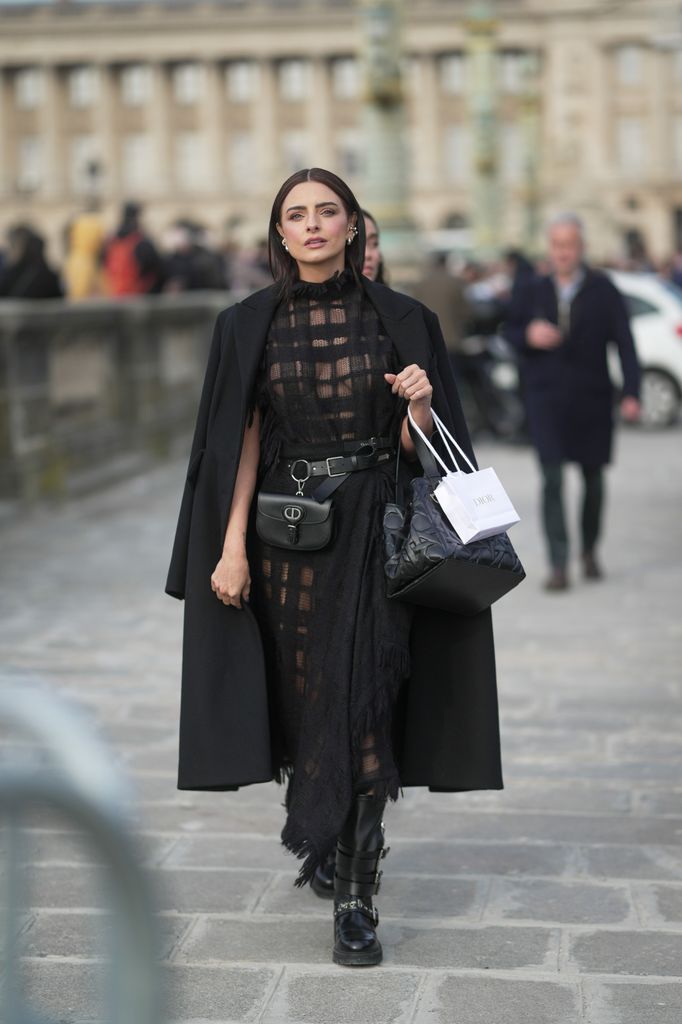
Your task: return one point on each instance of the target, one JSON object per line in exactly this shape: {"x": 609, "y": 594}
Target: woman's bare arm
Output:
{"x": 231, "y": 579}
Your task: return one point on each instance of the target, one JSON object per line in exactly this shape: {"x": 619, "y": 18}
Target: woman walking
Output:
{"x": 295, "y": 664}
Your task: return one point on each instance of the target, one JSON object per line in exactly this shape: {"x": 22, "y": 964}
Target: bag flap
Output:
{"x": 292, "y": 510}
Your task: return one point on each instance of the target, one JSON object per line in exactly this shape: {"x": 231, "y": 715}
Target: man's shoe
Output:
{"x": 591, "y": 568}
{"x": 557, "y": 580}
{"x": 322, "y": 882}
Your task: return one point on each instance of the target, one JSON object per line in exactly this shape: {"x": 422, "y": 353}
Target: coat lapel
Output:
{"x": 403, "y": 322}
{"x": 548, "y": 306}
{"x": 252, "y": 320}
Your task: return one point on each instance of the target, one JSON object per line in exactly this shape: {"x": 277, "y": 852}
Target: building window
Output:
{"x": 456, "y": 152}
{"x": 346, "y": 78}
{"x": 243, "y": 80}
{"x": 452, "y": 73}
{"x": 295, "y": 150}
{"x": 512, "y": 154}
{"x": 512, "y": 70}
{"x": 136, "y": 85}
{"x": 630, "y": 144}
{"x": 136, "y": 161}
{"x": 84, "y": 162}
{"x": 677, "y": 143}
{"x": 190, "y": 160}
{"x": 677, "y": 66}
{"x": 294, "y": 80}
{"x": 349, "y": 152}
{"x": 83, "y": 86}
{"x": 29, "y": 163}
{"x": 29, "y": 88}
{"x": 411, "y": 71}
{"x": 241, "y": 161}
{"x": 629, "y": 65}
{"x": 188, "y": 84}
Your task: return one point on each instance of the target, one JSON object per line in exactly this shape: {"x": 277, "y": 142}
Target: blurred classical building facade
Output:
{"x": 201, "y": 109}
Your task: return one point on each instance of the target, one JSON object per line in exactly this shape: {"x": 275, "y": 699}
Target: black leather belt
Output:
{"x": 365, "y": 454}
{"x": 322, "y": 448}
{"x": 338, "y": 465}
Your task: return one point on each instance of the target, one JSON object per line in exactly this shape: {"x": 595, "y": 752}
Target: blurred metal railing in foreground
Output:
{"x": 76, "y": 778}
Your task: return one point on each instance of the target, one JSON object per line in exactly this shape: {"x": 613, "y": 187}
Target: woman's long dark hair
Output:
{"x": 283, "y": 267}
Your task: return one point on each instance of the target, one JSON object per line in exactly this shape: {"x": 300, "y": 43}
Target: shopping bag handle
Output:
{"x": 422, "y": 446}
{"x": 427, "y": 457}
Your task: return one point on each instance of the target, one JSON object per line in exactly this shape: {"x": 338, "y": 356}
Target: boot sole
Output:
{"x": 347, "y": 958}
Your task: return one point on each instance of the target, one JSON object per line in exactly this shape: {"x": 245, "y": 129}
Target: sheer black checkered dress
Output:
{"x": 336, "y": 649}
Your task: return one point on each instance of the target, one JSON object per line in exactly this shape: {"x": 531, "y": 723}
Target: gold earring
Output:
{"x": 284, "y": 243}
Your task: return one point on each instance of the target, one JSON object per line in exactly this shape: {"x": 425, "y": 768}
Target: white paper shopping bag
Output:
{"x": 475, "y": 503}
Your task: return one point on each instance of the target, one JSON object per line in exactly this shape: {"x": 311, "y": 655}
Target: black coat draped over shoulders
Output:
{"x": 447, "y": 732}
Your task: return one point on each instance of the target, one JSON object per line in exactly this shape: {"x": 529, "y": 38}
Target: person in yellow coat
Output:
{"x": 82, "y": 270}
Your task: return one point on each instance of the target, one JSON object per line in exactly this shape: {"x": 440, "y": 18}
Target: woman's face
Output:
{"x": 316, "y": 228}
{"x": 372, "y": 250}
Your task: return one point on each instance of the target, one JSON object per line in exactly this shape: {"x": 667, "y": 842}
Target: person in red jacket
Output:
{"x": 132, "y": 265}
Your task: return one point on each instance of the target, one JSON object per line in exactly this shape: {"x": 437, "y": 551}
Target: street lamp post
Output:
{"x": 530, "y": 122}
{"x": 386, "y": 175}
{"x": 481, "y": 32}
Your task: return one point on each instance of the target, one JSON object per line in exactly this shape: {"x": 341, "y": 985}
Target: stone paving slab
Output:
{"x": 300, "y": 998}
{"x": 441, "y": 858}
{"x": 627, "y": 952}
{"x": 565, "y": 902}
{"x": 621, "y": 1003}
{"x": 486, "y": 948}
{"x": 659, "y": 904}
{"x": 225, "y": 994}
{"x": 484, "y": 1000}
{"x": 86, "y": 934}
{"x": 556, "y": 900}
{"x": 653, "y": 862}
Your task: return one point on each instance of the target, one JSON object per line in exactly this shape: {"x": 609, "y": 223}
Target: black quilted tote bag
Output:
{"x": 427, "y": 563}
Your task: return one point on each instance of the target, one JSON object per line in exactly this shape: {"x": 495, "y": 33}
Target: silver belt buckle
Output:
{"x": 333, "y": 458}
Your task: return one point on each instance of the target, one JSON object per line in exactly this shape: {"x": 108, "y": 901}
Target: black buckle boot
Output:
{"x": 322, "y": 882}
{"x": 357, "y": 878}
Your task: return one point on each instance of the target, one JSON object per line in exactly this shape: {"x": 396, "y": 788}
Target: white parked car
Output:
{"x": 655, "y": 307}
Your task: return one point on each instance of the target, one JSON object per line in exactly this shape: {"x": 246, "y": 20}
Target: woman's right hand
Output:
{"x": 231, "y": 579}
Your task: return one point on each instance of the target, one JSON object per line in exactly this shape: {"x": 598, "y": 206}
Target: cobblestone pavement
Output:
{"x": 558, "y": 900}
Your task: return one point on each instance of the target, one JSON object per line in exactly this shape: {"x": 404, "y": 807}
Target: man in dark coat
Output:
{"x": 561, "y": 325}
{"x": 448, "y": 733}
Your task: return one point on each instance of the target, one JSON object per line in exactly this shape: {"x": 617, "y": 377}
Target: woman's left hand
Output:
{"x": 412, "y": 384}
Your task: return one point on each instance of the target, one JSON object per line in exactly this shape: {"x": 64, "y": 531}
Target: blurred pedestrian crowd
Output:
{"x": 126, "y": 262}
{"x": 470, "y": 297}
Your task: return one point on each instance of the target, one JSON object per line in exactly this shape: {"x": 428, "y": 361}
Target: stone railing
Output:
{"x": 99, "y": 390}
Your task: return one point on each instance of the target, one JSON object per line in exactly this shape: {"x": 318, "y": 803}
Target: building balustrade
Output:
{"x": 93, "y": 392}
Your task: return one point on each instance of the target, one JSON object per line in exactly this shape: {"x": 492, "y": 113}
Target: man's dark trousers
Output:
{"x": 554, "y": 517}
